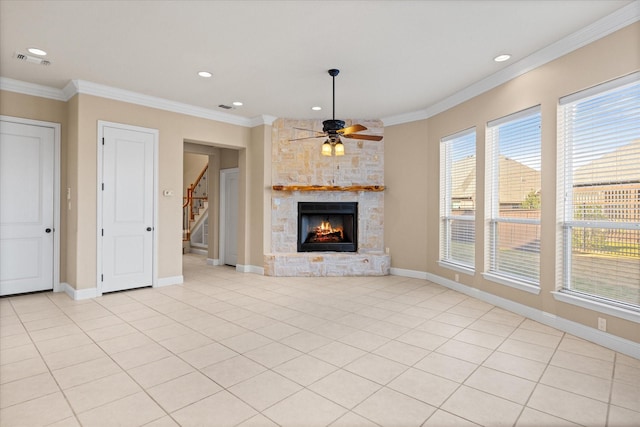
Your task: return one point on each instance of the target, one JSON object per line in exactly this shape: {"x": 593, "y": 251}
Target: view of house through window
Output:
{"x": 599, "y": 191}
{"x": 513, "y": 189}
{"x": 458, "y": 198}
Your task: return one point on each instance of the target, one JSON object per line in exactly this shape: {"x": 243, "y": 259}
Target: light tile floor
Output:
{"x": 230, "y": 349}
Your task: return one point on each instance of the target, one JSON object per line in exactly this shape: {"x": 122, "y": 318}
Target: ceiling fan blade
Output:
{"x": 307, "y": 137}
{"x": 319, "y": 134}
{"x": 309, "y": 130}
{"x": 367, "y": 137}
{"x": 351, "y": 129}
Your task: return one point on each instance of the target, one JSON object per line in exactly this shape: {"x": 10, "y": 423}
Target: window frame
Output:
{"x": 565, "y": 211}
{"x": 492, "y": 203}
{"x": 445, "y": 258}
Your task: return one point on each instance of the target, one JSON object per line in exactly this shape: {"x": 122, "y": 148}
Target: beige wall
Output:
{"x": 72, "y": 180}
{"x": 613, "y": 56}
{"x": 193, "y": 165}
{"x": 258, "y": 189}
{"x": 405, "y": 198}
{"x": 228, "y": 158}
{"x": 47, "y": 110}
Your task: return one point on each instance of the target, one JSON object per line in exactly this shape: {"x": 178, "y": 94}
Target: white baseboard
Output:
{"x": 213, "y": 261}
{"x": 621, "y": 345}
{"x": 408, "y": 273}
{"x": 79, "y": 294}
{"x": 167, "y": 281}
{"x": 198, "y": 251}
{"x": 250, "y": 269}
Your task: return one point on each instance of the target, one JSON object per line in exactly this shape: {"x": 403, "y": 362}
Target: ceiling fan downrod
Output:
{"x": 333, "y": 73}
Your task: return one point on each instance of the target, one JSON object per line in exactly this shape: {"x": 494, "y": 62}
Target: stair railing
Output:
{"x": 193, "y": 201}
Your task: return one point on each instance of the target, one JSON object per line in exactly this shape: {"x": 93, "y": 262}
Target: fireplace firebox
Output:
{"x": 327, "y": 226}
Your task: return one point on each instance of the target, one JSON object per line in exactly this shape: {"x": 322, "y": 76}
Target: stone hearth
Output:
{"x": 299, "y": 163}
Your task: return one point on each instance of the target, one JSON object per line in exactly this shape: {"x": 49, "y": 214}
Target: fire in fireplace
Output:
{"x": 327, "y": 226}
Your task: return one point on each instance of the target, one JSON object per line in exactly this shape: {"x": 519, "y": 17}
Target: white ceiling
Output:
{"x": 395, "y": 57}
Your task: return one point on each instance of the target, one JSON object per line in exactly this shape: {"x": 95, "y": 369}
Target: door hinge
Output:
{"x": 102, "y": 277}
{"x": 102, "y": 232}
{"x": 103, "y": 186}
{"x": 102, "y": 141}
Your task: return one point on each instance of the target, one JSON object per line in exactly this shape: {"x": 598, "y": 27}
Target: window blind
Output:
{"x": 513, "y": 191}
{"x": 599, "y": 185}
{"x": 458, "y": 198}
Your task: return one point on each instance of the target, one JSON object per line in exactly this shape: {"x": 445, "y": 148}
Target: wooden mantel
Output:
{"x": 328, "y": 188}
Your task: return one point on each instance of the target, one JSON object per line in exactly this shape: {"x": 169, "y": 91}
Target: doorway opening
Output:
{"x": 207, "y": 202}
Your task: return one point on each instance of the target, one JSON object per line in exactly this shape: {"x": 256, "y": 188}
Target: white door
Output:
{"x": 26, "y": 208}
{"x": 230, "y": 222}
{"x": 127, "y": 230}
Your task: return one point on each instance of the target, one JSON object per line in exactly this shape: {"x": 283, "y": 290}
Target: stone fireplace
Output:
{"x": 302, "y": 177}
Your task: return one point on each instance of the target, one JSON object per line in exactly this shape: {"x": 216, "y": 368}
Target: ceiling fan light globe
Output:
{"x": 326, "y": 148}
{"x": 339, "y": 148}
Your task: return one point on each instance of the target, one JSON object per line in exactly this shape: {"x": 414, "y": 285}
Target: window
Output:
{"x": 513, "y": 191}
{"x": 458, "y": 199}
{"x": 599, "y": 199}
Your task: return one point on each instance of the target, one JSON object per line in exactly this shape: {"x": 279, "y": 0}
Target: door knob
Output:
{"x": 47, "y": 230}
{"x": 149, "y": 228}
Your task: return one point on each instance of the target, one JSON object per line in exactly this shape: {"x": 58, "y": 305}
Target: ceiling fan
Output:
{"x": 333, "y": 129}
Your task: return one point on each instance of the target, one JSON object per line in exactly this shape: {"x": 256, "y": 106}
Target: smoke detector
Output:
{"x": 32, "y": 59}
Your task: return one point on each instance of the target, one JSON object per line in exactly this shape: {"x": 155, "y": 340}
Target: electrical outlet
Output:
{"x": 387, "y": 251}
{"x": 457, "y": 277}
{"x": 602, "y": 324}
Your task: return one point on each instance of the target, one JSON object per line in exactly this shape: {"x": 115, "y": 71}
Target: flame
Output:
{"x": 325, "y": 229}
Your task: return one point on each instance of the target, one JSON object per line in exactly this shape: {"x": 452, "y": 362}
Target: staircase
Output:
{"x": 200, "y": 213}
{"x": 195, "y": 216}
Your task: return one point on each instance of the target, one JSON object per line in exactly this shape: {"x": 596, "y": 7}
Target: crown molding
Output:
{"x": 262, "y": 120}
{"x": 102, "y": 91}
{"x": 70, "y": 90}
{"x": 88, "y": 88}
{"x": 603, "y": 27}
{"x": 32, "y": 89}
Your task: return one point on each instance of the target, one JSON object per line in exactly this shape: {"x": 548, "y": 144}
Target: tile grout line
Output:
{"x": 537, "y": 383}
{"x": 119, "y": 366}
{"x": 49, "y": 370}
{"x": 462, "y": 383}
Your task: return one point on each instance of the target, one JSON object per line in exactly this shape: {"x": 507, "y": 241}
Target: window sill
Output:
{"x": 523, "y": 286}
{"x": 596, "y": 305}
{"x": 457, "y": 267}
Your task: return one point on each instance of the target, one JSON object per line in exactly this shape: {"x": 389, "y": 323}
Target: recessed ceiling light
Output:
{"x": 316, "y": 108}
{"x": 37, "y": 51}
{"x": 204, "y": 74}
{"x": 502, "y": 58}
{"x": 237, "y": 103}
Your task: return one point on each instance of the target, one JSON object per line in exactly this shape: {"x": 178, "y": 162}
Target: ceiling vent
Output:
{"x": 32, "y": 59}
